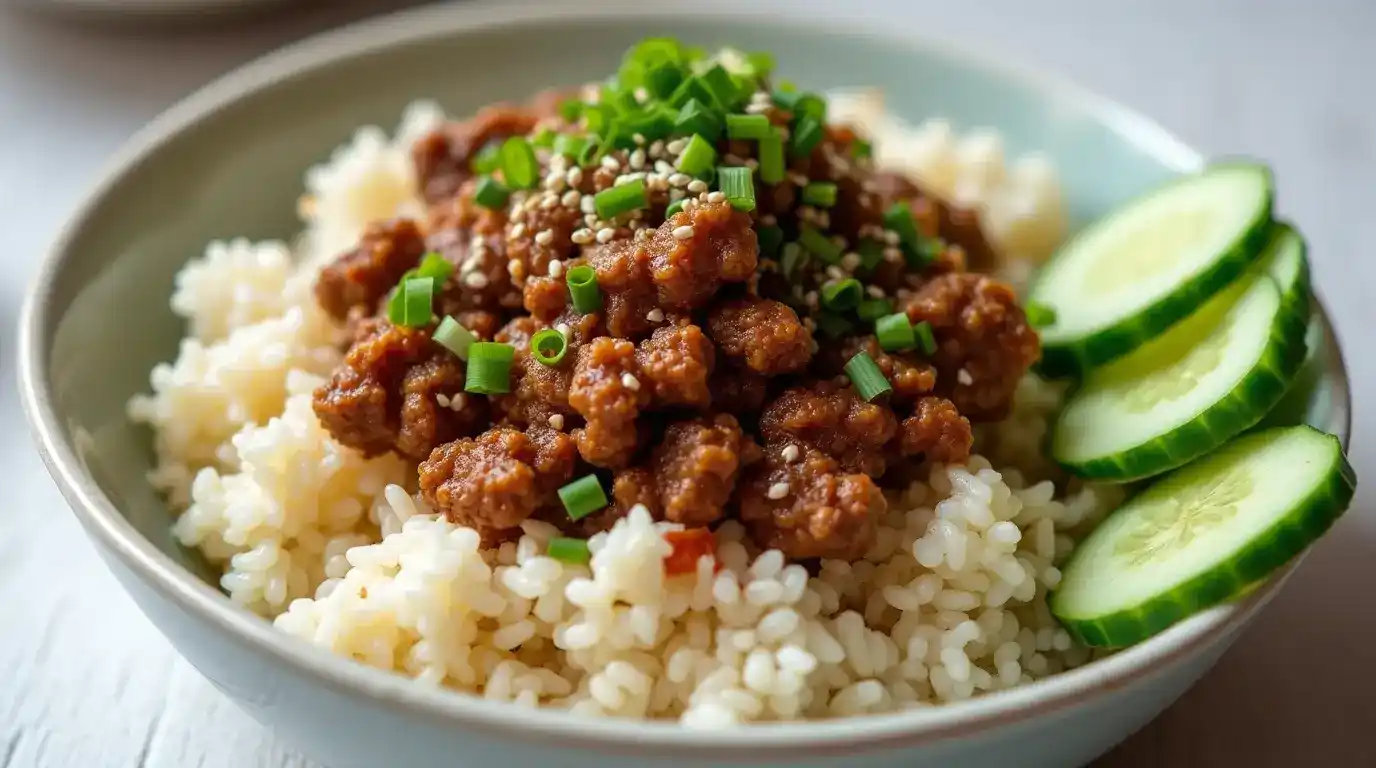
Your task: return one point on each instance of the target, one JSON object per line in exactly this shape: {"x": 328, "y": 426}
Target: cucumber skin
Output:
{"x": 1248, "y": 403}
{"x": 1073, "y": 358}
{"x": 1310, "y": 519}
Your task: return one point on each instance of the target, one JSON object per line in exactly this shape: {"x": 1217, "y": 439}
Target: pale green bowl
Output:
{"x": 228, "y": 162}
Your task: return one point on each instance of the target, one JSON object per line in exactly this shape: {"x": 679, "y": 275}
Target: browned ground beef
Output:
{"x": 704, "y": 348}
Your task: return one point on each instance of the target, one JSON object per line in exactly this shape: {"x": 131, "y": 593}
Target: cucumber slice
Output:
{"x": 1203, "y": 535}
{"x": 1185, "y": 393}
{"x": 1287, "y": 262}
{"x": 1136, "y": 272}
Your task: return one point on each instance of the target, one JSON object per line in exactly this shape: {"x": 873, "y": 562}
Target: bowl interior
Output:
{"x": 236, "y": 169}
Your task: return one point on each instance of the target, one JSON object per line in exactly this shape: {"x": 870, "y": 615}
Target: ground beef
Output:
{"x": 808, "y": 506}
{"x": 938, "y": 218}
{"x": 675, "y": 362}
{"x": 496, "y": 481}
{"x": 524, "y": 244}
{"x": 738, "y": 390}
{"x": 480, "y": 280}
{"x": 538, "y": 391}
{"x": 937, "y": 431}
{"x": 386, "y": 395}
{"x": 833, "y": 420}
{"x": 984, "y": 343}
{"x": 628, "y": 294}
{"x": 442, "y": 157}
{"x": 545, "y": 297}
{"x": 480, "y": 323}
{"x": 720, "y": 249}
{"x": 766, "y": 335}
{"x": 356, "y": 281}
{"x": 696, "y": 464}
{"x": 910, "y": 375}
{"x": 606, "y": 390}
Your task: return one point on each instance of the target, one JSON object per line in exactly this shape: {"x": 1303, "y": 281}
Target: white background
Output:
{"x": 86, "y": 681}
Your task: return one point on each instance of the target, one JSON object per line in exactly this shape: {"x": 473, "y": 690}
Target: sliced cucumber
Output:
{"x": 1201, "y": 536}
{"x": 1287, "y": 262}
{"x": 1188, "y": 391}
{"x": 1136, "y": 272}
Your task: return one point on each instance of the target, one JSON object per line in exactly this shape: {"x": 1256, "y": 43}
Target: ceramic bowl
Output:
{"x": 228, "y": 161}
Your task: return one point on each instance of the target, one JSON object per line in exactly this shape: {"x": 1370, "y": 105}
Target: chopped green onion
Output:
{"x": 869, "y": 381}
{"x": 410, "y": 303}
{"x": 925, "y": 339}
{"x": 434, "y": 265}
{"x": 583, "y": 289}
{"x": 820, "y": 193}
{"x": 917, "y": 248}
{"x": 719, "y": 83}
{"x": 568, "y": 550}
{"x": 860, "y": 149}
{"x": 807, "y": 134}
{"x": 582, "y": 497}
{"x": 544, "y": 139}
{"x": 569, "y": 145}
{"x": 653, "y": 124}
{"x": 590, "y": 153}
{"x": 489, "y": 368}
{"x": 842, "y": 295}
{"x": 833, "y": 326}
{"x": 871, "y": 310}
{"x": 695, "y": 118}
{"x": 761, "y": 63}
{"x": 570, "y": 110}
{"x": 818, "y": 244}
{"x": 491, "y": 193}
{"x": 802, "y": 104}
{"x": 454, "y": 337}
{"x": 748, "y": 127}
{"x": 771, "y": 152}
{"x": 661, "y": 81}
{"x": 1039, "y": 315}
{"x": 697, "y": 157}
{"x": 871, "y": 252}
{"x": 785, "y": 86}
{"x": 895, "y": 333}
{"x": 519, "y": 167}
{"x": 622, "y": 198}
{"x": 692, "y": 89}
{"x": 673, "y": 208}
{"x": 794, "y": 258}
{"x": 548, "y": 347}
{"x": 771, "y": 238}
{"x": 738, "y": 186}
{"x": 488, "y": 159}
{"x": 597, "y": 118}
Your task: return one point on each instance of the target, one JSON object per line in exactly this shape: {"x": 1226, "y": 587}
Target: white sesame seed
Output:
{"x": 518, "y": 230}
{"x": 697, "y": 186}
{"x": 514, "y": 267}
{"x": 549, "y": 201}
{"x": 638, "y": 158}
{"x": 893, "y": 255}
{"x": 471, "y": 263}
{"x": 544, "y": 237}
{"x": 630, "y": 382}
{"x": 798, "y": 179}
{"x": 824, "y": 220}
{"x": 811, "y": 299}
{"x": 717, "y": 197}
{"x": 778, "y": 491}
{"x": 658, "y": 183}
{"x": 768, "y": 220}
{"x": 677, "y": 145}
{"x": 558, "y": 163}
{"x": 676, "y": 195}
{"x": 592, "y": 221}
{"x": 556, "y": 268}
{"x": 756, "y": 108}
{"x": 891, "y": 237}
{"x": 457, "y": 402}
{"x": 556, "y": 421}
{"x": 611, "y": 163}
{"x": 874, "y": 291}
{"x": 642, "y": 235}
{"x": 657, "y": 148}
{"x": 586, "y": 205}
{"x": 663, "y": 167}
{"x": 963, "y": 376}
{"x": 655, "y": 315}
{"x": 554, "y": 181}
{"x": 605, "y": 235}
{"x": 562, "y": 328}
{"x": 790, "y": 453}
{"x": 475, "y": 280}
{"x": 834, "y": 272}
{"x": 442, "y": 399}
{"x": 582, "y": 236}
{"x": 762, "y": 96}
{"x": 571, "y": 198}
{"x": 684, "y": 232}
{"x": 680, "y": 179}
{"x": 850, "y": 261}
{"x": 575, "y": 176}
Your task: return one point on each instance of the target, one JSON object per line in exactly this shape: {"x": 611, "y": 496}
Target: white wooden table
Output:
{"x": 86, "y": 681}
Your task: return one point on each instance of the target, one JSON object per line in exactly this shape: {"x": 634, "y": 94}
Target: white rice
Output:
{"x": 948, "y": 603}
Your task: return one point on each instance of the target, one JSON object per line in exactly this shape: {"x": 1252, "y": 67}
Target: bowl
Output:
{"x": 228, "y": 161}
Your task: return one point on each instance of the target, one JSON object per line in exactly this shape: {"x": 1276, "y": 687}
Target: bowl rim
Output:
{"x": 813, "y": 738}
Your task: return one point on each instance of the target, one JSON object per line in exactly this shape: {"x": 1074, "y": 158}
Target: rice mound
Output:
{"x": 338, "y": 550}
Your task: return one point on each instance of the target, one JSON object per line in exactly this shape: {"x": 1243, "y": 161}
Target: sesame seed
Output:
{"x": 963, "y": 376}
{"x": 475, "y": 280}
{"x": 717, "y": 197}
{"x": 891, "y": 237}
{"x": 798, "y": 179}
{"x": 457, "y": 402}
{"x": 556, "y": 268}
{"x": 811, "y": 299}
{"x": 519, "y": 230}
{"x": 834, "y": 272}
{"x": 778, "y": 491}
{"x": 657, "y": 148}
{"x": 663, "y": 167}
{"x": 575, "y": 176}
{"x": 558, "y": 163}
{"x": 874, "y": 291}
{"x": 756, "y": 108}
{"x": 554, "y": 181}
{"x": 605, "y": 235}
{"x": 544, "y": 237}
{"x": 638, "y": 156}
{"x": 697, "y": 186}
{"x": 850, "y": 261}
{"x": 477, "y": 241}
{"x": 515, "y": 268}
{"x": 611, "y": 163}
{"x": 893, "y": 255}
{"x": 762, "y": 97}
{"x": 655, "y": 315}
{"x": 471, "y": 263}
{"x": 556, "y": 421}
{"x": 562, "y": 328}
{"x": 642, "y": 235}
{"x": 592, "y": 221}
{"x": 571, "y": 198}
{"x": 586, "y": 205}
{"x": 630, "y": 382}
{"x": 823, "y": 219}
{"x": 683, "y": 233}
{"x": 676, "y": 146}
{"x": 680, "y": 179}
{"x": 549, "y": 201}
{"x": 768, "y": 220}
{"x": 442, "y": 399}
{"x": 675, "y": 195}
{"x": 582, "y": 236}
{"x": 790, "y": 453}
{"x": 657, "y": 183}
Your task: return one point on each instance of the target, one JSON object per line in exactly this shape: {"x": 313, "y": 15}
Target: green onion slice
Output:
{"x": 793, "y": 259}
{"x": 488, "y": 159}
{"x": 738, "y": 186}
{"x": 622, "y": 198}
{"x": 410, "y": 304}
{"x": 748, "y": 127}
{"x": 519, "y": 167}
{"x": 869, "y": 381}
{"x": 568, "y": 550}
{"x": 871, "y": 252}
{"x": 673, "y": 208}
{"x": 582, "y": 497}
{"x": 895, "y": 333}
{"x": 820, "y": 193}
{"x": 771, "y": 152}
{"x": 569, "y": 146}
{"x": 434, "y": 265}
{"x": 833, "y": 326}
{"x": 583, "y": 289}
{"x": 723, "y": 89}
{"x": 1039, "y": 315}
{"x": 802, "y": 104}
{"x": 696, "y": 119}
{"x": 697, "y": 157}
{"x": 871, "y": 310}
{"x": 491, "y": 193}
{"x": 454, "y": 337}
{"x": 771, "y": 239}
{"x": 489, "y": 368}
{"x": 925, "y": 339}
{"x": 807, "y": 134}
{"x": 544, "y": 139}
{"x": 842, "y": 295}
{"x": 819, "y": 245}
{"x": 548, "y": 347}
